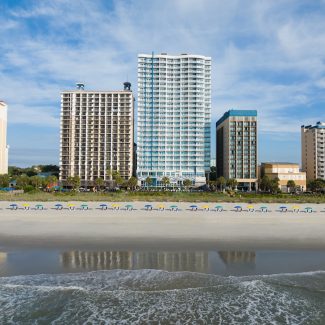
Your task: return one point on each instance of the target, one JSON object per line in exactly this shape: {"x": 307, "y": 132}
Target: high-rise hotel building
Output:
{"x": 174, "y": 116}
{"x": 96, "y": 134}
{"x": 237, "y": 147}
{"x": 313, "y": 150}
{"x": 3, "y": 139}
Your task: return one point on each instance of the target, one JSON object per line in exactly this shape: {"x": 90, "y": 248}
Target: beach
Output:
{"x": 138, "y": 228}
{"x": 139, "y": 266}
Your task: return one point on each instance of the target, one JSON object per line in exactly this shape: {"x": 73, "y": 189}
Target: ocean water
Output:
{"x": 161, "y": 287}
{"x": 162, "y": 297}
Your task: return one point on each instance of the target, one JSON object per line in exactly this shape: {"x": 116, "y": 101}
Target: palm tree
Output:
{"x": 148, "y": 181}
{"x": 165, "y": 181}
{"x": 132, "y": 182}
{"x": 232, "y": 183}
{"x": 291, "y": 185}
{"x": 74, "y": 182}
{"x": 221, "y": 182}
{"x": 99, "y": 182}
{"x": 187, "y": 183}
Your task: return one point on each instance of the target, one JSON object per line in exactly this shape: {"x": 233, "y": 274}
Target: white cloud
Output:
{"x": 267, "y": 55}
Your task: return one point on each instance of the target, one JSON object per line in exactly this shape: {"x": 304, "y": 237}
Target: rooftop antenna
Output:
{"x": 80, "y": 86}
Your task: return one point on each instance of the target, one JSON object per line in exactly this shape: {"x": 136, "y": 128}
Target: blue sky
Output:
{"x": 266, "y": 55}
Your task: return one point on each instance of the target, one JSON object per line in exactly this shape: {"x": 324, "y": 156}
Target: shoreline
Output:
{"x": 141, "y": 229}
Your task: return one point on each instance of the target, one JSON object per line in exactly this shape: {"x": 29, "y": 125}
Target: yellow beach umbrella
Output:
{"x": 161, "y": 207}
{"x": 205, "y": 207}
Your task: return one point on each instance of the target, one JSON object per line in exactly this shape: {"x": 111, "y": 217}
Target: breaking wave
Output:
{"x": 160, "y": 297}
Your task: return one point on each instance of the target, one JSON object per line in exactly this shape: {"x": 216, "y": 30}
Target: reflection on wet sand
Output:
{"x": 3, "y": 258}
{"x": 232, "y": 257}
{"x": 169, "y": 261}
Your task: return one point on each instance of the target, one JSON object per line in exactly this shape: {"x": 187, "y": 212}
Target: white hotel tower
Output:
{"x": 174, "y": 116}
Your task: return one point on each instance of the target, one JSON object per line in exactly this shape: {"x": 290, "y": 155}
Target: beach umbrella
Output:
{"x": 148, "y": 207}
{"x": 103, "y": 206}
{"x": 59, "y": 206}
{"x": 161, "y": 207}
{"x": 116, "y": 206}
{"x": 13, "y": 206}
{"x": 219, "y": 207}
{"x": 26, "y": 206}
{"x": 84, "y": 206}
{"x": 308, "y": 209}
{"x": 39, "y": 207}
{"x": 206, "y": 207}
{"x": 238, "y": 208}
{"x": 264, "y": 209}
{"x": 250, "y": 208}
{"x": 295, "y": 208}
{"x": 71, "y": 206}
{"x": 174, "y": 207}
{"x": 129, "y": 207}
{"x": 283, "y": 209}
{"x": 193, "y": 207}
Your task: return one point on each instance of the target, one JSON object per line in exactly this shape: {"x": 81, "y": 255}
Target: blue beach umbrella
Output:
{"x": 283, "y": 209}
{"x": 238, "y": 208}
{"x": 13, "y": 206}
{"x": 193, "y": 207}
{"x": 59, "y": 206}
{"x": 148, "y": 207}
{"x": 103, "y": 206}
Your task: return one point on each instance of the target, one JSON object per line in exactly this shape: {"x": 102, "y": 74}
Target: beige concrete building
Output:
{"x": 285, "y": 172}
{"x": 313, "y": 150}
{"x": 237, "y": 147}
{"x": 96, "y": 134}
{"x": 3, "y": 139}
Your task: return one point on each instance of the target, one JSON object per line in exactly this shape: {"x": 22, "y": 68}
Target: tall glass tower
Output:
{"x": 174, "y": 116}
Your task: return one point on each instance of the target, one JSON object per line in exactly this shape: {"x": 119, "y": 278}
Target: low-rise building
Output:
{"x": 285, "y": 172}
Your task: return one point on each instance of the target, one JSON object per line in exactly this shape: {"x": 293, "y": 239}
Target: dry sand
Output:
{"x": 155, "y": 229}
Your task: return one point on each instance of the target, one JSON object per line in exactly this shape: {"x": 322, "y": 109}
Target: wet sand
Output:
{"x": 95, "y": 228}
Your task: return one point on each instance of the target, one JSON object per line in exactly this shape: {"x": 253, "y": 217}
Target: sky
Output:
{"x": 266, "y": 55}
